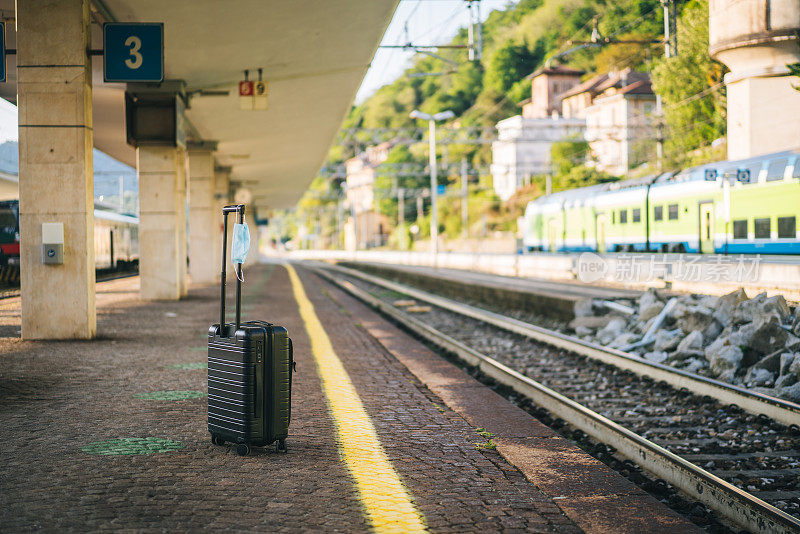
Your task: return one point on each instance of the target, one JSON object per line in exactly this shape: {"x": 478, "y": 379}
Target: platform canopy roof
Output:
{"x": 314, "y": 54}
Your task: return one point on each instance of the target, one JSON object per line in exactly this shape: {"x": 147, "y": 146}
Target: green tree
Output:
{"x": 569, "y": 168}
{"x": 317, "y": 211}
{"x": 794, "y": 70}
{"x": 691, "y": 87}
{"x": 565, "y": 155}
{"x": 389, "y": 177}
{"x": 517, "y": 40}
{"x": 511, "y": 63}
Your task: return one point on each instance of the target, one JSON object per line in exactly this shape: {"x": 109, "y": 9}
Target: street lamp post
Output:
{"x": 441, "y": 116}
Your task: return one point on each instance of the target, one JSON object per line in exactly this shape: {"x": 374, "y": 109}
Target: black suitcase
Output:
{"x": 250, "y": 369}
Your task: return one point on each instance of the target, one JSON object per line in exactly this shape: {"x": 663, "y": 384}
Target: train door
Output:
{"x": 552, "y": 233}
{"x": 601, "y": 233}
{"x": 707, "y": 228}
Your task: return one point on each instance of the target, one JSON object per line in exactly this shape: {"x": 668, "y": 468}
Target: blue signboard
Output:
{"x": 2, "y": 52}
{"x": 133, "y": 52}
{"x": 440, "y": 189}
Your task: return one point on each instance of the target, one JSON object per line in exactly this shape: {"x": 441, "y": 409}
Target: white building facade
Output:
{"x": 364, "y": 226}
{"x": 523, "y": 149}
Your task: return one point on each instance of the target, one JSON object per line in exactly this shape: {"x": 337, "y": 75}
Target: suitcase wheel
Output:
{"x": 243, "y": 449}
{"x": 216, "y": 440}
{"x": 280, "y": 445}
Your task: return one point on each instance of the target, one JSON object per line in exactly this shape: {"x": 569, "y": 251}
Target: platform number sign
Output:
{"x": 260, "y": 95}
{"x": 133, "y": 52}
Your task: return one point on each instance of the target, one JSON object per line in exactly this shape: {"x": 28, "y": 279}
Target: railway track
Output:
{"x": 9, "y": 286}
{"x": 736, "y": 451}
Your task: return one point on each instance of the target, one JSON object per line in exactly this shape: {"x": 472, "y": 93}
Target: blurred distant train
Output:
{"x": 740, "y": 207}
{"x": 116, "y": 238}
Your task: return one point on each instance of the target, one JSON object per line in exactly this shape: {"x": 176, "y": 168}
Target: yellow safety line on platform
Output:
{"x": 386, "y": 500}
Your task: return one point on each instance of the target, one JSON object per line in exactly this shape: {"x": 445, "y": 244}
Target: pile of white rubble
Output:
{"x": 749, "y": 342}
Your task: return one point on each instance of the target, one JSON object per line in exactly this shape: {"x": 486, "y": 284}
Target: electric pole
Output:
{"x": 475, "y": 30}
{"x": 670, "y": 28}
{"x": 659, "y": 134}
{"x": 464, "y": 199}
{"x": 340, "y": 223}
{"x": 401, "y": 206}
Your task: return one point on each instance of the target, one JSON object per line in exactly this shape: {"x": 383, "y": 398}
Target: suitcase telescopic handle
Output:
{"x": 236, "y": 208}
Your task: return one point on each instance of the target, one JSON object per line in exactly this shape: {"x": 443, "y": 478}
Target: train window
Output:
{"x": 775, "y": 169}
{"x": 636, "y": 215}
{"x": 613, "y": 217}
{"x": 623, "y": 216}
{"x": 740, "y": 229}
{"x": 762, "y": 228}
{"x": 755, "y": 170}
{"x": 672, "y": 212}
{"x": 787, "y": 227}
{"x": 796, "y": 170}
{"x": 658, "y": 213}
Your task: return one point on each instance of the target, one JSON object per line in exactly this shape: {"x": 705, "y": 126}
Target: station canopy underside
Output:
{"x": 314, "y": 55}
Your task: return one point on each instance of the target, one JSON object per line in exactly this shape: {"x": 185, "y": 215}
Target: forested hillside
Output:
{"x": 517, "y": 41}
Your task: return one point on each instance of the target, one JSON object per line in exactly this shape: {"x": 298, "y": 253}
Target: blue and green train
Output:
{"x": 740, "y": 207}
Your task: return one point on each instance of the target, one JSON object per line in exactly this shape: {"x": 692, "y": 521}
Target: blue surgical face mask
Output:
{"x": 241, "y": 243}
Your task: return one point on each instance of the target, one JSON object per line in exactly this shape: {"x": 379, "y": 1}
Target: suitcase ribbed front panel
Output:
{"x": 231, "y": 390}
{"x": 282, "y": 383}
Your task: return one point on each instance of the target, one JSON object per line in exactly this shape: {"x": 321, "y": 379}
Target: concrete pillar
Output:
{"x": 757, "y": 43}
{"x": 202, "y": 217}
{"x": 55, "y": 167}
{"x": 162, "y": 222}
{"x": 183, "y": 236}
{"x": 222, "y": 185}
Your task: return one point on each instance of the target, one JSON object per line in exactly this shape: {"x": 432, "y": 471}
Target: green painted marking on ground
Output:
{"x": 127, "y": 446}
{"x": 189, "y": 366}
{"x": 171, "y": 395}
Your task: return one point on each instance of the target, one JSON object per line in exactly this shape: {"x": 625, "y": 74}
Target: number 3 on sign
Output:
{"x": 135, "y": 44}
{"x": 133, "y": 52}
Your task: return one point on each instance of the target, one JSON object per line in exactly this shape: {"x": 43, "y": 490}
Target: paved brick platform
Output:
{"x": 57, "y": 399}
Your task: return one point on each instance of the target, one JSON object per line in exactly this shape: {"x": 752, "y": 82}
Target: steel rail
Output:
{"x": 737, "y": 506}
{"x": 780, "y": 410}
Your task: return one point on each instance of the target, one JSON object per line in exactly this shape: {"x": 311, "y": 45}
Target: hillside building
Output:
{"x": 614, "y": 112}
{"x": 364, "y": 227}
{"x": 524, "y": 141}
{"x": 620, "y": 119}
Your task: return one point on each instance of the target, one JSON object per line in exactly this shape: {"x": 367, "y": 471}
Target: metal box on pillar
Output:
{"x": 155, "y": 126}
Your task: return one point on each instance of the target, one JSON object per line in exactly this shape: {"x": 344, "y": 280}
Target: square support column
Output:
{"x": 183, "y": 238}
{"x": 55, "y": 167}
{"x": 162, "y": 222}
{"x": 763, "y": 115}
{"x": 203, "y": 219}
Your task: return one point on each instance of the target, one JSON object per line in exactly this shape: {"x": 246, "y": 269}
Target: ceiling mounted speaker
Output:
{"x": 243, "y": 196}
